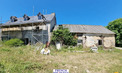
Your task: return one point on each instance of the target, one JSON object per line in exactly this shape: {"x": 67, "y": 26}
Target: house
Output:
{"x": 31, "y": 29}
{"x": 92, "y": 35}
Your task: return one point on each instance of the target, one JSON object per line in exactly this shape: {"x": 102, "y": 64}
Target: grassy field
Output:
{"x": 27, "y": 59}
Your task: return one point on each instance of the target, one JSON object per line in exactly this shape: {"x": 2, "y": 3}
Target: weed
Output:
{"x": 5, "y": 49}
{"x": 25, "y": 59}
{"x": 33, "y": 66}
{"x": 2, "y": 67}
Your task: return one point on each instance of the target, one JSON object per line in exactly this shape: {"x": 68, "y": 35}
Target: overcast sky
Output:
{"x": 90, "y": 12}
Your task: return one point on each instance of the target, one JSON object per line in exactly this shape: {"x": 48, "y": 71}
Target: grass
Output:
{"x": 26, "y": 59}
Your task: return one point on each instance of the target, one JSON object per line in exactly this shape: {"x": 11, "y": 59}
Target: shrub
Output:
{"x": 64, "y": 36}
{"x": 14, "y": 42}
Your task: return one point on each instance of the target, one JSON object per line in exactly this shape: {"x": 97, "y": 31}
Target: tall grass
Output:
{"x": 27, "y": 59}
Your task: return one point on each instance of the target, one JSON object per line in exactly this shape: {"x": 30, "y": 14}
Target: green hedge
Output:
{"x": 14, "y": 42}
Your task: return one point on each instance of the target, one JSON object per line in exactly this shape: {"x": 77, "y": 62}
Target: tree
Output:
{"x": 116, "y": 26}
{"x": 63, "y": 36}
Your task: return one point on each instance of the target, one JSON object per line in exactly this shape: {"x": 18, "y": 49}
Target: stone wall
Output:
{"x": 108, "y": 40}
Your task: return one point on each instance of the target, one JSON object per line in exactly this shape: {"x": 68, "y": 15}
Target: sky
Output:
{"x": 89, "y": 12}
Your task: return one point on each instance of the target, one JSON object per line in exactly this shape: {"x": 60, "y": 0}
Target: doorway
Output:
{"x": 26, "y": 41}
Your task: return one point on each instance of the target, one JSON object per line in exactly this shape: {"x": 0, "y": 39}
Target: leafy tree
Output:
{"x": 116, "y": 26}
{"x": 63, "y": 36}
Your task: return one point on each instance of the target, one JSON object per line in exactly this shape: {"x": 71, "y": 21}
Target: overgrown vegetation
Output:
{"x": 2, "y": 68}
{"x": 14, "y": 42}
{"x": 27, "y": 59}
{"x": 116, "y": 27}
{"x": 63, "y": 36}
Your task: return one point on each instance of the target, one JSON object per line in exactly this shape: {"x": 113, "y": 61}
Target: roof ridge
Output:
{"x": 33, "y": 19}
{"x": 81, "y": 24}
{"x": 88, "y": 29}
{"x": 36, "y": 15}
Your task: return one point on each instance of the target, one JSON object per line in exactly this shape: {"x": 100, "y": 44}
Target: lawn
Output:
{"x": 26, "y": 59}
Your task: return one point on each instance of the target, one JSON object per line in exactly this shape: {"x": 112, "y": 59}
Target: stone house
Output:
{"x": 31, "y": 29}
{"x": 92, "y": 35}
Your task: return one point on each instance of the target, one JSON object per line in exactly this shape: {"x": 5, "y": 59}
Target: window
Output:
{"x": 79, "y": 35}
{"x": 25, "y": 19}
{"x": 4, "y": 38}
{"x": 26, "y": 41}
{"x": 37, "y": 29}
{"x": 99, "y": 42}
{"x": 39, "y": 17}
{"x": 79, "y": 41}
{"x": 12, "y": 20}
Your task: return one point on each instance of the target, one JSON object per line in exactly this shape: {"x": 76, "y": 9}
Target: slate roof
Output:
{"x": 87, "y": 29}
{"x": 33, "y": 19}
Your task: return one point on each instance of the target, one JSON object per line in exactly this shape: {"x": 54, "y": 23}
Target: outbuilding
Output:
{"x": 92, "y": 35}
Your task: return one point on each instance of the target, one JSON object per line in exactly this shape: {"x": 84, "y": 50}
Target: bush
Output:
{"x": 14, "y": 42}
{"x": 64, "y": 36}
